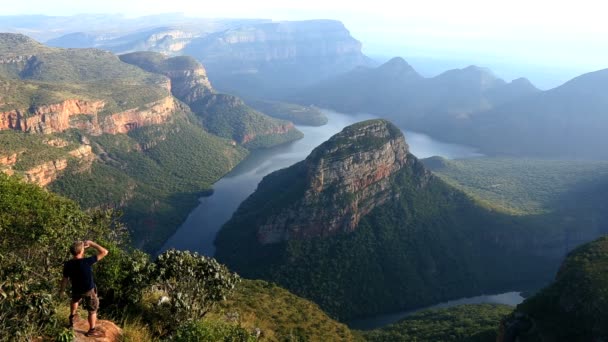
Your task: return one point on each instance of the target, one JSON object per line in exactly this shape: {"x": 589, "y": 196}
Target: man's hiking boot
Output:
{"x": 94, "y": 332}
{"x": 72, "y": 319}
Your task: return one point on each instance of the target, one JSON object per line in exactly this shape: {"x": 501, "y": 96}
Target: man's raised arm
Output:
{"x": 102, "y": 252}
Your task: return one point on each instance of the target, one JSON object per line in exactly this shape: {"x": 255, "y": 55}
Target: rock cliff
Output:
{"x": 345, "y": 178}
{"x": 64, "y": 115}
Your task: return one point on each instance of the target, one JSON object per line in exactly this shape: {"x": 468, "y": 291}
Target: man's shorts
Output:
{"x": 90, "y": 301}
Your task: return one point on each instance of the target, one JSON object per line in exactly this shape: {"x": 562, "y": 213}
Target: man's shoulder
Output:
{"x": 91, "y": 260}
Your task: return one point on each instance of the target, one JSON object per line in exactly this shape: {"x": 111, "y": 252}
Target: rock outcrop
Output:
{"x": 46, "y": 173}
{"x": 111, "y": 332}
{"x": 60, "y": 117}
{"x": 345, "y": 178}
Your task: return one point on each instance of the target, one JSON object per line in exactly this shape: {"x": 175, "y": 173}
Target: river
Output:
{"x": 509, "y": 298}
{"x": 198, "y": 231}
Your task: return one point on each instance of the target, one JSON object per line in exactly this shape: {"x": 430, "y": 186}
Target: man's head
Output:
{"x": 77, "y": 248}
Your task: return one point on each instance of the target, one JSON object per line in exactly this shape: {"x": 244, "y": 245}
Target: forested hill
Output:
{"x": 362, "y": 227}
{"x": 573, "y": 308}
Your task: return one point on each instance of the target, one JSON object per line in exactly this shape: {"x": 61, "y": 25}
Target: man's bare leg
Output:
{"x": 92, "y": 319}
{"x": 73, "y": 308}
{"x": 73, "y": 313}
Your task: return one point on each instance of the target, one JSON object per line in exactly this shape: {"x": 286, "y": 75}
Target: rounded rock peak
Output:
{"x": 362, "y": 136}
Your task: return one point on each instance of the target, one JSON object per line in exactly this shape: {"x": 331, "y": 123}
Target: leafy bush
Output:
{"x": 184, "y": 287}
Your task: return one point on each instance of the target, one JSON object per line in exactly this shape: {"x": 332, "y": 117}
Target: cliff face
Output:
{"x": 48, "y": 118}
{"x": 45, "y": 173}
{"x": 278, "y": 42}
{"x": 355, "y": 165}
{"x": 58, "y": 117}
{"x": 152, "y": 114}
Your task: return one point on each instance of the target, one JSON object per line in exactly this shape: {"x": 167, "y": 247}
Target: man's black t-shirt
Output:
{"x": 80, "y": 273}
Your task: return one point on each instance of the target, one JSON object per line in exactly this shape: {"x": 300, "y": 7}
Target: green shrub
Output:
{"x": 184, "y": 287}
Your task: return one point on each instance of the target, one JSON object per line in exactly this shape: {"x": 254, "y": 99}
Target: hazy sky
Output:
{"x": 551, "y": 33}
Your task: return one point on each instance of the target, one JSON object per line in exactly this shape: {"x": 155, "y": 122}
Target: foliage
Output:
{"x": 184, "y": 287}
{"x": 32, "y": 149}
{"x": 211, "y": 331}
{"x": 228, "y": 117}
{"x": 521, "y": 186}
{"x": 575, "y": 306}
{"x": 278, "y": 314}
{"x": 470, "y": 323}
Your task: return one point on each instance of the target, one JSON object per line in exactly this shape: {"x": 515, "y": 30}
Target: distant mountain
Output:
{"x": 573, "y": 308}
{"x": 569, "y": 121}
{"x": 362, "y": 227}
{"x": 253, "y": 58}
{"x": 268, "y": 58}
{"x": 105, "y": 26}
{"x": 171, "y": 39}
{"x": 396, "y": 91}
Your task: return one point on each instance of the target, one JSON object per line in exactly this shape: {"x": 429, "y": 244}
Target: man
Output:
{"x": 79, "y": 271}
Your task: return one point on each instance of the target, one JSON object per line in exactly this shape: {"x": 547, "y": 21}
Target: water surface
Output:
{"x": 509, "y": 298}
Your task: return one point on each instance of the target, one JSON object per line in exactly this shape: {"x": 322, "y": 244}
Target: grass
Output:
{"x": 279, "y": 314}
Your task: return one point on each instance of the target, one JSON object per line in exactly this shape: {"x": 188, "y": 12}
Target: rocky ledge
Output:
{"x": 344, "y": 179}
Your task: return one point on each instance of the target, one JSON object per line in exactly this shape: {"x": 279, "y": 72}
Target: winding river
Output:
{"x": 198, "y": 231}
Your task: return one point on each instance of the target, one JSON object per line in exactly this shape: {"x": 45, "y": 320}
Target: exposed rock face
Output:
{"x": 154, "y": 114}
{"x": 58, "y": 117}
{"x": 46, "y": 173}
{"x": 8, "y": 160}
{"x": 356, "y": 165}
{"x": 49, "y": 118}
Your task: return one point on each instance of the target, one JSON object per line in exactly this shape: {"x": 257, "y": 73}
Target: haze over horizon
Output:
{"x": 546, "y": 41}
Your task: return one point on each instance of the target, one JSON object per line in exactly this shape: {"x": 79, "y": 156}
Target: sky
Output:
{"x": 550, "y": 34}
